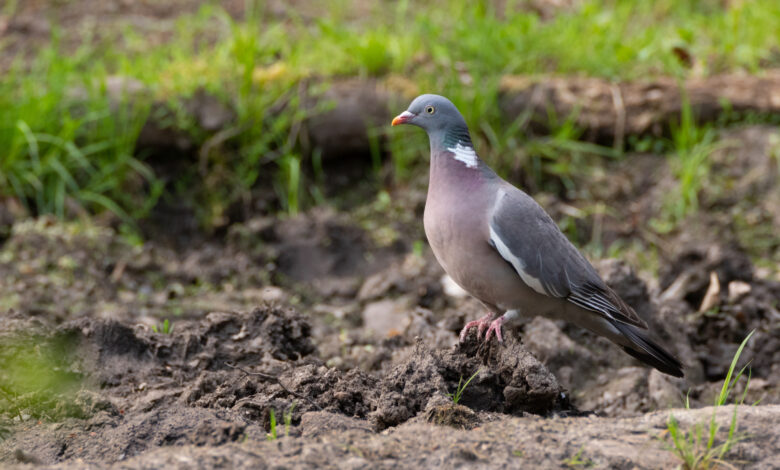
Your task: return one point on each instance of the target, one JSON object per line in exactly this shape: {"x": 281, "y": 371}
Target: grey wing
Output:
{"x": 529, "y": 240}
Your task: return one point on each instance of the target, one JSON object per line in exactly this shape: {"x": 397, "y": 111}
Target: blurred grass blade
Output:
{"x": 728, "y": 384}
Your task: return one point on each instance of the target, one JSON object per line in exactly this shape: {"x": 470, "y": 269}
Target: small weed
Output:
{"x": 696, "y": 447}
{"x": 288, "y": 419}
{"x": 271, "y": 436}
{"x": 577, "y": 460}
{"x": 461, "y": 388}
{"x": 518, "y": 453}
{"x": 166, "y": 327}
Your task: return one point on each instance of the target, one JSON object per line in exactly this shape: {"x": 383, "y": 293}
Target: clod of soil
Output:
{"x": 689, "y": 275}
{"x": 450, "y": 414}
{"x": 510, "y": 380}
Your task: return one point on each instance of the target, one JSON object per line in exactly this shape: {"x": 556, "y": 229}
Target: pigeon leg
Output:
{"x": 481, "y": 324}
{"x": 497, "y": 325}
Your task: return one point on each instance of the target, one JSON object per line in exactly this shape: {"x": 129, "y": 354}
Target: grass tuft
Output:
{"x": 288, "y": 415}
{"x": 165, "y": 328}
{"x": 39, "y": 378}
{"x": 577, "y": 460}
{"x": 697, "y": 447}
{"x": 461, "y": 388}
{"x": 271, "y": 436}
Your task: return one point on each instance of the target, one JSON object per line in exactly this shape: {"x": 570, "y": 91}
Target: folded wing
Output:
{"x": 528, "y": 239}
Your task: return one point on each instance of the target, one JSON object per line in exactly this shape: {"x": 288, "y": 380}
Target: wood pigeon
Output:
{"x": 499, "y": 245}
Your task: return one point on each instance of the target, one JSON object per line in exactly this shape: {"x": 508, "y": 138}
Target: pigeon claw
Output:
{"x": 481, "y": 324}
{"x": 495, "y": 326}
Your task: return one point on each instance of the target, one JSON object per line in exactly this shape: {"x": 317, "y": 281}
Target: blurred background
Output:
{"x": 211, "y": 111}
{"x": 162, "y": 160}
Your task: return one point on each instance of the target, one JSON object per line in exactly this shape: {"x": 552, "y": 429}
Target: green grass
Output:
{"x": 38, "y": 378}
{"x": 60, "y": 151}
{"x": 271, "y": 436}
{"x": 59, "y": 156}
{"x": 698, "y": 447}
{"x": 166, "y": 327}
{"x": 287, "y": 416}
{"x": 577, "y": 460}
{"x": 456, "y": 396}
{"x": 691, "y": 146}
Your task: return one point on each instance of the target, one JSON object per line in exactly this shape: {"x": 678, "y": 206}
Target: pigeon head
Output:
{"x": 433, "y": 113}
{"x": 446, "y": 128}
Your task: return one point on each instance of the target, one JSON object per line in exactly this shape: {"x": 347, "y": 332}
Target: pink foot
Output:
{"x": 495, "y": 326}
{"x": 481, "y": 324}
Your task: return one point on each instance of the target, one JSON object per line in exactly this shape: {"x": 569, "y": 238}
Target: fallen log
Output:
{"x": 348, "y": 118}
{"x": 607, "y": 112}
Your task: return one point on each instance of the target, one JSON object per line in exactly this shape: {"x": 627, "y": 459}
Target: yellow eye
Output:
{"x": 430, "y": 109}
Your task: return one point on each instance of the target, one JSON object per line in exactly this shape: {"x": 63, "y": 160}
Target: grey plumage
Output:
{"x": 549, "y": 258}
{"x": 497, "y": 243}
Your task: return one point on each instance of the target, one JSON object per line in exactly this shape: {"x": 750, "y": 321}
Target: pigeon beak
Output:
{"x": 403, "y": 118}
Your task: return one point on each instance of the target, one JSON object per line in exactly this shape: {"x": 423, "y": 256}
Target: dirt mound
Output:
{"x": 296, "y": 390}
{"x": 692, "y": 264}
{"x": 508, "y": 380}
{"x": 221, "y": 379}
{"x": 736, "y": 303}
{"x": 117, "y": 351}
{"x": 156, "y": 389}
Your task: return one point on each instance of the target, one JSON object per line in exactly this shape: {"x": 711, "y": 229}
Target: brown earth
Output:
{"x": 335, "y": 324}
{"x": 503, "y": 442}
{"x": 328, "y": 320}
{"x": 204, "y": 393}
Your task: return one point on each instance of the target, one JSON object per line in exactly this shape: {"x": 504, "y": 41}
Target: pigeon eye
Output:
{"x": 430, "y": 109}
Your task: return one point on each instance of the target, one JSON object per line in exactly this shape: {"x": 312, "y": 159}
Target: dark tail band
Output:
{"x": 648, "y": 351}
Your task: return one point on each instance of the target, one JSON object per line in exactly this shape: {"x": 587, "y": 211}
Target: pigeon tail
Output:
{"x": 647, "y": 351}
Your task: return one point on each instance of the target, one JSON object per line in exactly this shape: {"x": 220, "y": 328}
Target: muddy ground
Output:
{"x": 341, "y": 324}
{"x": 345, "y": 329}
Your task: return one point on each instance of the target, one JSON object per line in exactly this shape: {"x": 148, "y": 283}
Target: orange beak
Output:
{"x": 402, "y": 118}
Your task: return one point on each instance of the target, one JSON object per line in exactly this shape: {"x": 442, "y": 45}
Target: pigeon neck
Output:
{"x": 455, "y": 144}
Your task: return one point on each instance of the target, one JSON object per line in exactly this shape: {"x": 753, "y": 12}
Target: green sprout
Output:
{"x": 288, "y": 419}
{"x": 577, "y": 460}
{"x": 165, "y": 328}
{"x": 696, "y": 447}
{"x": 461, "y": 388}
{"x": 271, "y": 436}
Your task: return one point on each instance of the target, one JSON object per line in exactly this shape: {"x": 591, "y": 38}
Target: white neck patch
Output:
{"x": 465, "y": 154}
